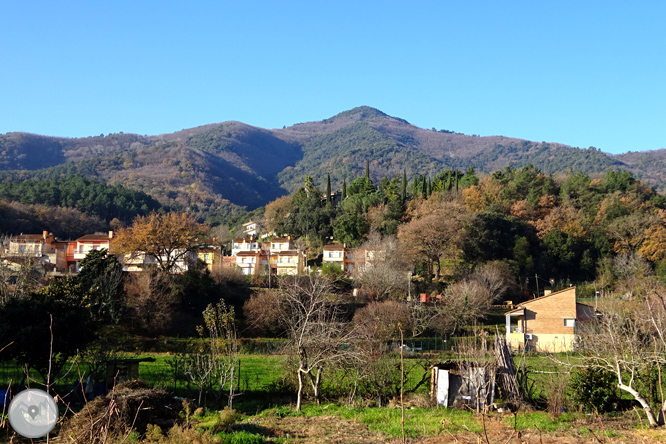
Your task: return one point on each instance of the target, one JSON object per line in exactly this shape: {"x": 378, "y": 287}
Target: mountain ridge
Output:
{"x": 219, "y": 167}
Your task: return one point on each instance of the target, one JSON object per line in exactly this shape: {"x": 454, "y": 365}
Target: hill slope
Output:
{"x": 217, "y": 168}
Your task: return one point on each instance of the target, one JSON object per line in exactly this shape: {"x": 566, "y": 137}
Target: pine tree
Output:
{"x": 344, "y": 189}
{"x": 328, "y": 189}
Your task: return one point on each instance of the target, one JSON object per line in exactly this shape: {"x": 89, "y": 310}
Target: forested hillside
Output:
{"x": 215, "y": 170}
{"x": 92, "y": 198}
{"x": 570, "y": 228}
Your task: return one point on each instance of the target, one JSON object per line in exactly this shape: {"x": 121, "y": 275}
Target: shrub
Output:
{"x": 594, "y": 389}
{"x": 227, "y": 419}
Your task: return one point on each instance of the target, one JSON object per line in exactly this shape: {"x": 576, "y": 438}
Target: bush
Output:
{"x": 594, "y": 389}
{"x": 228, "y": 418}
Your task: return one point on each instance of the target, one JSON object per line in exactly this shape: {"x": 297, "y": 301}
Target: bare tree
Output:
{"x": 382, "y": 271}
{"x": 463, "y": 303}
{"x": 317, "y": 335}
{"x": 150, "y": 299}
{"x": 625, "y": 340}
{"x": 496, "y": 277}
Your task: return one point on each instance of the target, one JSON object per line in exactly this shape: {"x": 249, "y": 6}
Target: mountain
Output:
{"x": 216, "y": 169}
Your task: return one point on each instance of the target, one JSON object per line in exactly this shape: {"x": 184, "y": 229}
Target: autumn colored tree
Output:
{"x": 277, "y": 212}
{"x": 169, "y": 238}
{"x": 429, "y": 237}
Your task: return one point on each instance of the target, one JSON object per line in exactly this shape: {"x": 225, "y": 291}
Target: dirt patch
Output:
{"x": 332, "y": 429}
{"x": 329, "y": 429}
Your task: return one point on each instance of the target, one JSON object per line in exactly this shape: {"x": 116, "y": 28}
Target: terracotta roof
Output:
{"x": 334, "y": 247}
{"x": 31, "y": 237}
{"x": 281, "y": 239}
{"x": 94, "y": 238}
{"x": 522, "y": 304}
{"x": 248, "y": 253}
{"x": 287, "y": 253}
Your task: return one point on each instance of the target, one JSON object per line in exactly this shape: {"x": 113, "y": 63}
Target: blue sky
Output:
{"x": 581, "y": 73}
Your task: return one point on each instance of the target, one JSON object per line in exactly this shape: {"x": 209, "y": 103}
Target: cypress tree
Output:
{"x": 456, "y": 181}
{"x": 344, "y": 189}
{"x": 429, "y": 187}
{"x": 367, "y": 169}
{"x": 424, "y": 188}
{"x": 328, "y": 189}
{"x": 404, "y": 186}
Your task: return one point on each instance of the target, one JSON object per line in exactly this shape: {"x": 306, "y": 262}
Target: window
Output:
{"x": 569, "y": 322}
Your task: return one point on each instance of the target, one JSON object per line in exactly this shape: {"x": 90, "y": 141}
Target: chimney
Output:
{"x": 547, "y": 291}
{"x": 45, "y": 234}
{"x": 110, "y": 234}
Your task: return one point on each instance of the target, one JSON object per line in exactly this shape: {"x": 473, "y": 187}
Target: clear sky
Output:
{"x": 583, "y": 73}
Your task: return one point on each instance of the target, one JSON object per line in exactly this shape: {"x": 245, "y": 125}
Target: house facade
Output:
{"x": 547, "y": 323}
{"x": 77, "y": 250}
{"x": 279, "y": 256}
{"x": 245, "y": 244}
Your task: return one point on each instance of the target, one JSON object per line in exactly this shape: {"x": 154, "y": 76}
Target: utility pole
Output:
{"x": 537, "y": 284}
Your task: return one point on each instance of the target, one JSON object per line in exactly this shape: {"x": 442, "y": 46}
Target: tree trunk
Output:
{"x": 300, "y": 390}
{"x": 315, "y": 381}
{"x": 642, "y": 401}
{"x": 438, "y": 267}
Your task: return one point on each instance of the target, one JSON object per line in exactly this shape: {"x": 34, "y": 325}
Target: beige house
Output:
{"x": 346, "y": 258}
{"x": 547, "y": 323}
{"x": 32, "y": 245}
{"x": 39, "y": 248}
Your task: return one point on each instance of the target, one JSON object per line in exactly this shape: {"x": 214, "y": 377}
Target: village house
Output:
{"x": 77, "y": 250}
{"x": 342, "y": 256}
{"x": 285, "y": 258}
{"x": 140, "y": 261}
{"x": 279, "y": 256}
{"x": 250, "y": 229}
{"x": 252, "y": 262}
{"x": 43, "y": 248}
{"x": 547, "y": 323}
{"x": 210, "y": 254}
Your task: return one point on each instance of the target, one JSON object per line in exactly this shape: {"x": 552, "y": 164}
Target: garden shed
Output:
{"x": 457, "y": 384}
